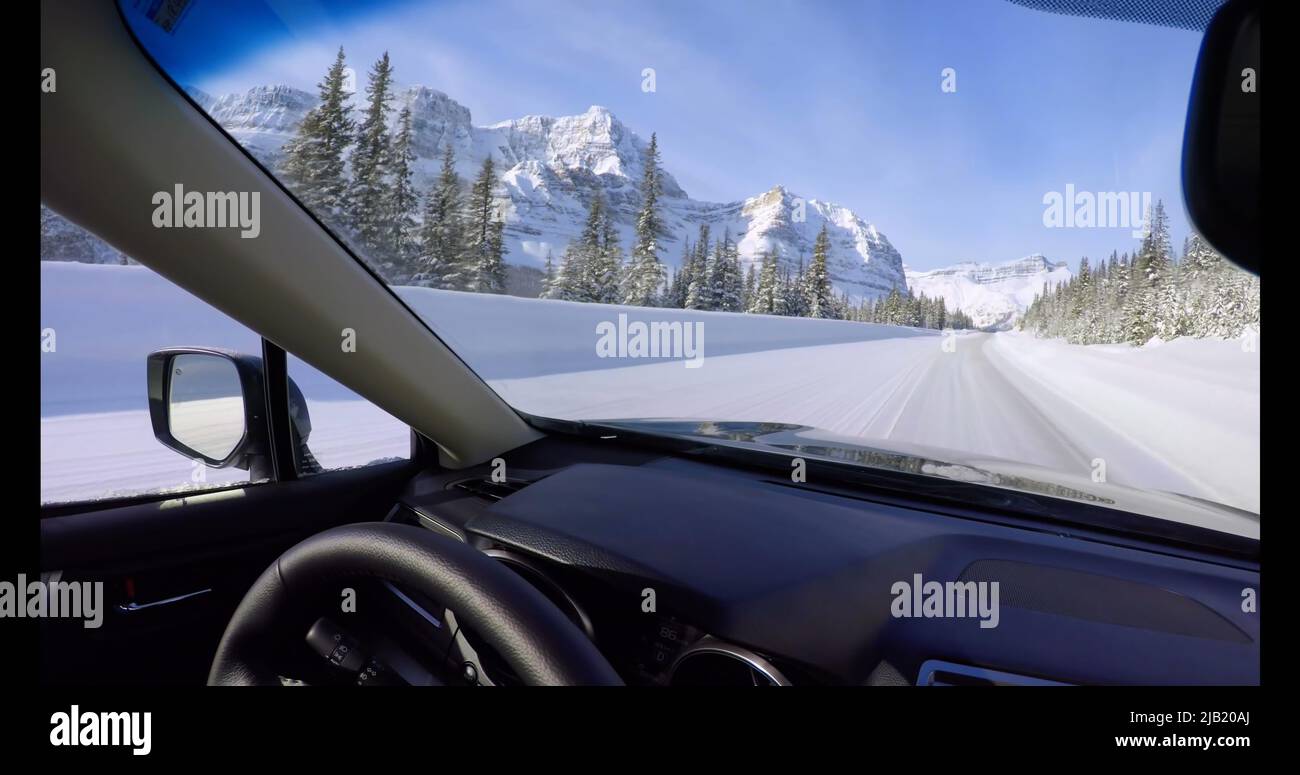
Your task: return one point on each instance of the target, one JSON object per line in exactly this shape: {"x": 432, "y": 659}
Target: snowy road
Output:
{"x": 1002, "y": 421}
{"x": 1161, "y": 418}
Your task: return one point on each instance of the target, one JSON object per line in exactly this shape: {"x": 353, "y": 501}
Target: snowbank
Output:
{"x": 505, "y": 337}
{"x": 1185, "y": 413}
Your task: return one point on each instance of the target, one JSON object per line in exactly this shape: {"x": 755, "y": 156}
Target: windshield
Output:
{"x": 952, "y": 229}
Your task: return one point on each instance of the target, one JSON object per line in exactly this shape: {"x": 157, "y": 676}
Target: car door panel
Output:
{"x": 174, "y": 569}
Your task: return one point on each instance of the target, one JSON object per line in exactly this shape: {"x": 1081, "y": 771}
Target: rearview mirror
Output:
{"x": 208, "y": 404}
{"x": 1221, "y": 145}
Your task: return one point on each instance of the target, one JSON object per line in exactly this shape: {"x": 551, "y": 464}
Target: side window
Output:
{"x": 343, "y": 430}
{"x": 101, "y": 316}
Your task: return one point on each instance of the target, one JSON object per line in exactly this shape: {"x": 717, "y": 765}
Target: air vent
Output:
{"x": 490, "y": 490}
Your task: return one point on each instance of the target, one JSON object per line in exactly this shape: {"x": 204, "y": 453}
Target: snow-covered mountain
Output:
{"x": 994, "y": 295}
{"x": 62, "y": 240}
{"x": 552, "y": 167}
{"x": 263, "y": 118}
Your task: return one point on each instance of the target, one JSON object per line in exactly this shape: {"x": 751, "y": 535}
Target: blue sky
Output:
{"x": 836, "y": 100}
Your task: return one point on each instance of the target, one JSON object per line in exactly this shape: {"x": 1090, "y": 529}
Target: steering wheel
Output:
{"x": 534, "y": 637}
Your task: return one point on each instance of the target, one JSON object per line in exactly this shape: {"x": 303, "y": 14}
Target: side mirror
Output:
{"x": 1221, "y": 145}
{"x": 209, "y": 405}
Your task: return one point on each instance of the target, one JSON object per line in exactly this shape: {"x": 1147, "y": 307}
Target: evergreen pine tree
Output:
{"x": 795, "y": 296}
{"x": 442, "y": 233}
{"x": 548, "y": 278}
{"x": 1080, "y": 324}
{"x": 682, "y": 277}
{"x": 766, "y": 295}
{"x": 710, "y": 295}
{"x": 485, "y": 269}
{"x": 568, "y": 275}
{"x": 607, "y": 259}
{"x": 751, "y": 288}
{"x": 727, "y": 280}
{"x": 369, "y": 161}
{"x": 402, "y": 201}
{"x": 817, "y": 284}
{"x": 581, "y": 256}
{"x": 1162, "y": 281}
{"x": 892, "y": 313}
{"x": 313, "y": 163}
{"x": 698, "y": 289}
{"x": 645, "y": 274}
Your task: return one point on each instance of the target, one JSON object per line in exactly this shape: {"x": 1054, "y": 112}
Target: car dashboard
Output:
{"x": 684, "y": 572}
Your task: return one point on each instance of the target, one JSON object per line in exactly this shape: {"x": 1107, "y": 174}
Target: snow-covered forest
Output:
{"x": 710, "y": 278}
{"x": 1152, "y": 294}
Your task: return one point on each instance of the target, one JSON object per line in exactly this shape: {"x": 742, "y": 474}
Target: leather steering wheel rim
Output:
{"x": 535, "y": 638}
